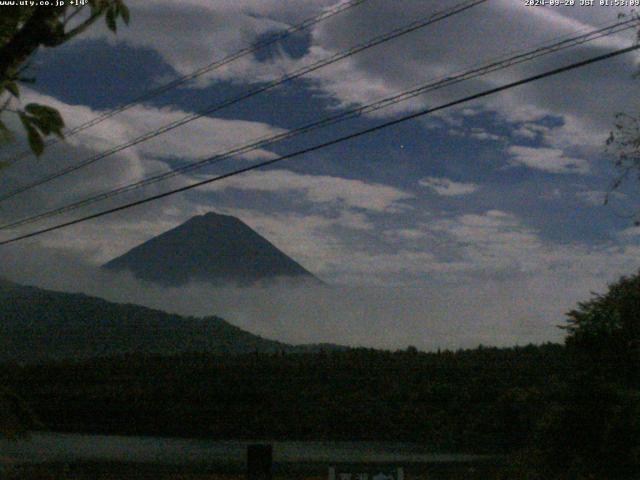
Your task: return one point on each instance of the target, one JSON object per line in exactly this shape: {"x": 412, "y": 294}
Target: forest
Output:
{"x": 484, "y": 400}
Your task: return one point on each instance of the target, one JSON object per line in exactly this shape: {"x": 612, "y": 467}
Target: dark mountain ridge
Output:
{"x": 39, "y": 325}
{"x": 218, "y": 249}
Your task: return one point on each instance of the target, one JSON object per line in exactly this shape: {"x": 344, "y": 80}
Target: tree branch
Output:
{"x": 82, "y": 27}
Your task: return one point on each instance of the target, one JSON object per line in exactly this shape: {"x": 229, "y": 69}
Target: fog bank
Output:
{"x": 430, "y": 315}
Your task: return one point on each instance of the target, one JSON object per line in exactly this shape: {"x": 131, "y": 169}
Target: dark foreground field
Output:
{"x": 126, "y": 471}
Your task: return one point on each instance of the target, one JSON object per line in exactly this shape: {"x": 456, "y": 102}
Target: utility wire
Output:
{"x": 380, "y": 104}
{"x": 413, "y": 26}
{"x": 305, "y": 24}
{"x": 329, "y": 143}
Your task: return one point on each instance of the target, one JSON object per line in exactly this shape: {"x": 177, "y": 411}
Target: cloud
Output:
{"x": 321, "y": 189}
{"x": 199, "y": 139}
{"x": 196, "y": 139}
{"x": 382, "y": 317}
{"x": 497, "y": 243}
{"x": 530, "y": 131}
{"x": 550, "y": 160}
{"x": 481, "y": 134}
{"x": 211, "y": 31}
{"x": 431, "y": 314}
{"x": 493, "y": 241}
{"x": 483, "y": 34}
{"x": 446, "y": 187}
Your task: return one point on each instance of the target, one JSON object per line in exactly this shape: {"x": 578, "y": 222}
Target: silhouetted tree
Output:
{"x": 593, "y": 431}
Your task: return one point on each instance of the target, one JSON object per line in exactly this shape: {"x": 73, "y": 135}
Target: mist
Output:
{"x": 429, "y": 315}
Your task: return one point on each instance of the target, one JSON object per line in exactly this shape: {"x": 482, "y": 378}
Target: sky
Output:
{"x": 482, "y": 223}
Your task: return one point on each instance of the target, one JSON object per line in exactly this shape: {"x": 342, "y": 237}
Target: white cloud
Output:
{"x": 321, "y": 189}
{"x": 482, "y": 34}
{"x": 551, "y": 160}
{"x": 446, "y": 187}
{"x": 202, "y": 137}
{"x": 497, "y": 241}
{"x": 195, "y": 33}
{"x": 407, "y": 234}
{"x": 492, "y": 242}
{"x": 482, "y": 134}
{"x": 210, "y": 30}
{"x": 530, "y": 130}
{"x": 199, "y": 139}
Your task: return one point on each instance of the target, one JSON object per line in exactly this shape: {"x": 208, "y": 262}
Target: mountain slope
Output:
{"x": 212, "y": 248}
{"x": 37, "y": 325}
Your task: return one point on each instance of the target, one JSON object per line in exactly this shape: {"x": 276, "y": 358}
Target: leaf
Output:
{"x": 33, "y": 136}
{"x": 47, "y": 119}
{"x": 41, "y": 110}
{"x": 41, "y": 125}
{"x": 110, "y": 17}
{"x": 35, "y": 141}
{"x": 124, "y": 13}
{"x": 121, "y": 10}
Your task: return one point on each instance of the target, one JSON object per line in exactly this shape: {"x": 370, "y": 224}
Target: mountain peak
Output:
{"x": 214, "y": 248}
{"x": 215, "y": 216}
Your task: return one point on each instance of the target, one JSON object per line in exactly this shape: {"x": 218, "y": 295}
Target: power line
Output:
{"x": 447, "y": 81}
{"x": 296, "y": 74}
{"x": 411, "y": 27}
{"x": 329, "y": 143}
{"x": 305, "y": 24}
